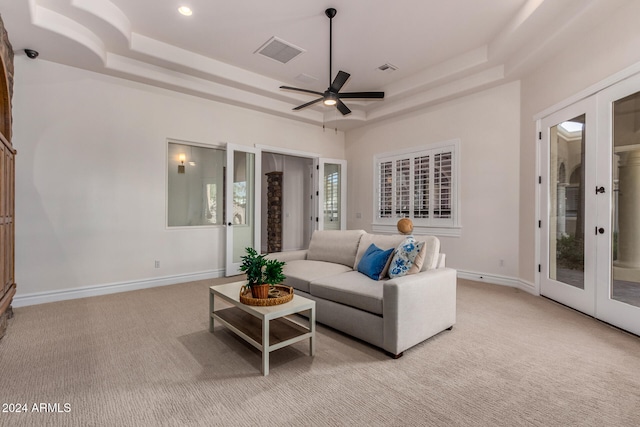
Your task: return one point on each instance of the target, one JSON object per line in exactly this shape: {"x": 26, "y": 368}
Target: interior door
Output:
{"x": 242, "y": 204}
{"x": 332, "y": 194}
{"x": 618, "y": 293}
{"x": 568, "y": 206}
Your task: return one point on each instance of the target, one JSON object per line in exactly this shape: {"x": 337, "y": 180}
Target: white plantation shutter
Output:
{"x": 442, "y": 185}
{"x": 385, "y": 192}
{"x": 403, "y": 188}
{"x": 420, "y": 185}
{"x": 331, "y": 194}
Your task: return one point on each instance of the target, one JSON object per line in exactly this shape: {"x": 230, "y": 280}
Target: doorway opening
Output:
{"x": 288, "y": 218}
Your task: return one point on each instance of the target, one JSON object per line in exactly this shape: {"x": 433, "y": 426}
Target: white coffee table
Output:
{"x": 265, "y": 328}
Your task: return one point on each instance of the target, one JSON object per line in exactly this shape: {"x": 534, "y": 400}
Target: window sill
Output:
{"x": 419, "y": 230}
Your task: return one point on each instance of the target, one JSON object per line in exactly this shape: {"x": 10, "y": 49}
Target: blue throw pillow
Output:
{"x": 373, "y": 261}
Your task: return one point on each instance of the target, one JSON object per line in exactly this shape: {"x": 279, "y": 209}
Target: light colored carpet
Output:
{"x": 147, "y": 358}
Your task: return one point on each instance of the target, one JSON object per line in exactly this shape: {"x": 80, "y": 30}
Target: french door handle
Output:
{"x": 599, "y": 190}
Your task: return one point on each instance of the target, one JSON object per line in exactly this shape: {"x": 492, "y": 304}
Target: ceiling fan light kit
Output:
{"x": 332, "y": 95}
{"x": 330, "y": 98}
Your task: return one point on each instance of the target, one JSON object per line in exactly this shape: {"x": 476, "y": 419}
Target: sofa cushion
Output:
{"x": 300, "y": 272}
{"x": 432, "y": 252}
{"x": 407, "y": 258}
{"x": 352, "y": 288}
{"x": 338, "y": 246}
{"x": 373, "y": 263}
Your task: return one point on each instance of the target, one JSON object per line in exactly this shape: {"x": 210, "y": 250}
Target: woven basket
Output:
{"x": 279, "y": 294}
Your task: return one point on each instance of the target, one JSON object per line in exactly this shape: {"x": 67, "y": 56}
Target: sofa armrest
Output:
{"x": 288, "y": 255}
{"x": 418, "y": 306}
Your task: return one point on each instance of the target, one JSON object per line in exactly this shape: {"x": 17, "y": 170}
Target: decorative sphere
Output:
{"x": 405, "y": 226}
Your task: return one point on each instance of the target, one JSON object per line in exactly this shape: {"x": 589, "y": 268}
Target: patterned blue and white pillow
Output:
{"x": 407, "y": 253}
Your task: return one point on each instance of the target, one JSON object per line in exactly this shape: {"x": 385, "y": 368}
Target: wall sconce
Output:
{"x": 181, "y": 157}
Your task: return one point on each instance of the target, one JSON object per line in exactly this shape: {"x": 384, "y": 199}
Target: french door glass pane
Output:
{"x": 567, "y": 202}
{"x": 626, "y": 200}
{"x": 332, "y": 204}
{"x": 242, "y": 217}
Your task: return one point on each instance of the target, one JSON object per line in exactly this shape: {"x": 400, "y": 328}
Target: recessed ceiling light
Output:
{"x": 185, "y": 11}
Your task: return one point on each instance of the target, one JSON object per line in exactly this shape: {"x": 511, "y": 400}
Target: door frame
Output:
{"x": 606, "y": 308}
{"x": 304, "y": 154}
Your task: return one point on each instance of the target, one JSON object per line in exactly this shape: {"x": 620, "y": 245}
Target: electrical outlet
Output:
{"x": 157, "y": 264}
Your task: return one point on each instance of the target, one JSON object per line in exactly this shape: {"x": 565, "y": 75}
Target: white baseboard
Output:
{"x": 499, "y": 280}
{"x": 111, "y": 288}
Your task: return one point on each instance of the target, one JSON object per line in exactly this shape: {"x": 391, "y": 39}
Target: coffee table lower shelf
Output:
{"x": 282, "y": 331}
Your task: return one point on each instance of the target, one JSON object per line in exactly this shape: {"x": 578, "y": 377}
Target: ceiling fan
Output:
{"x": 332, "y": 95}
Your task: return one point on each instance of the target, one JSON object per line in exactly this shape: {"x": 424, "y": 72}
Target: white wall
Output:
{"x": 611, "y": 46}
{"x": 488, "y": 126}
{"x": 91, "y": 175}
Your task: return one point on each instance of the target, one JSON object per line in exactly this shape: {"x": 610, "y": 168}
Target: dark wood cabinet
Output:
{"x": 7, "y": 184}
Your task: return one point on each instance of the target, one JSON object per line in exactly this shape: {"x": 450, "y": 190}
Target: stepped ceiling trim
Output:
{"x": 115, "y": 37}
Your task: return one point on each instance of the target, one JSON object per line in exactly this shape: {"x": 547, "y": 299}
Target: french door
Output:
{"x": 618, "y": 265}
{"x": 332, "y": 194}
{"x": 568, "y": 239}
{"x": 242, "y": 204}
{"x": 590, "y": 205}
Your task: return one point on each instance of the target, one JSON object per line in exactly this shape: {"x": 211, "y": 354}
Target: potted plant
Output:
{"x": 261, "y": 273}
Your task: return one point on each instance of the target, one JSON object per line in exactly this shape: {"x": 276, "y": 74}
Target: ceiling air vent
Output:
{"x": 387, "y": 67}
{"x": 279, "y": 50}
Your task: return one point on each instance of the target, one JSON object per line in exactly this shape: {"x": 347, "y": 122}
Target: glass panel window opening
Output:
{"x": 195, "y": 184}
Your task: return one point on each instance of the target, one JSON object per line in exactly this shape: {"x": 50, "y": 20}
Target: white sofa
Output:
{"x": 393, "y": 314}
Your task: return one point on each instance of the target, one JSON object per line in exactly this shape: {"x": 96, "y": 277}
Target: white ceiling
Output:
{"x": 442, "y": 48}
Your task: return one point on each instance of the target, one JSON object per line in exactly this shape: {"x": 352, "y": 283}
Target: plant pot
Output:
{"x": 260, "y": 291}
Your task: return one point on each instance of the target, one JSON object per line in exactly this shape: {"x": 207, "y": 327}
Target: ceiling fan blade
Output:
{"x": 301, "y": 90}
{"x": 343, "y": 108}
{"x": 369, "y": 95}
{"x": 339, "y": 81}
{"x": 300, "y": 107}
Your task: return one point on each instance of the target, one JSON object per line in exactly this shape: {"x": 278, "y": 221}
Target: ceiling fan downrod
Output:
{"x": 331, "y": 12}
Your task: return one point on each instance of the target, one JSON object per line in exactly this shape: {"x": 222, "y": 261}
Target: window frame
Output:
{"x": 431, "y": 225}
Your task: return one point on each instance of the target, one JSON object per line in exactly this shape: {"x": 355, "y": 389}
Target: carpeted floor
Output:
{"x": 146, "y": 358}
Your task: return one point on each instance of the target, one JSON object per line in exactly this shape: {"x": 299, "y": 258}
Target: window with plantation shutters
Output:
{"x": 421, "y": 185}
